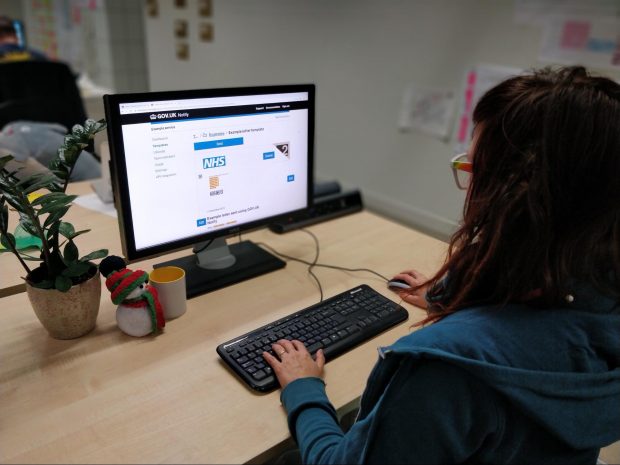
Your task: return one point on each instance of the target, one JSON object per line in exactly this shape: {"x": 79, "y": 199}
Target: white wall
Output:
{"x": 361, "y": 54}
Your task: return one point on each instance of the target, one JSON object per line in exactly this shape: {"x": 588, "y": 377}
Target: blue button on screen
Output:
{"x": 201, "y": 222}
{"x": 290, "y": 177}
{"x": 216, "y": 144}
{"x": 268, "y": 155}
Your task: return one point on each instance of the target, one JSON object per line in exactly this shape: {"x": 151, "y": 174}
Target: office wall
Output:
{"x": 11, "y": 8}
{"x": 361, "y": 54}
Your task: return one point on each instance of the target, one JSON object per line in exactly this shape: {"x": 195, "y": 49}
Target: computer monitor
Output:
{"x": 193, "y": 167}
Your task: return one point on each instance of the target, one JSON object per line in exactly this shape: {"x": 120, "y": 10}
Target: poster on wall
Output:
{"x": 430, "y": 111}
{"x": 478, "y": 79}
{"x": 42, "y": 32}
{"x": 593, "y": 41}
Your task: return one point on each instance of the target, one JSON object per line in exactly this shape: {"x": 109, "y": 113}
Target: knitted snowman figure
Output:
{"x": 139, "y": 312}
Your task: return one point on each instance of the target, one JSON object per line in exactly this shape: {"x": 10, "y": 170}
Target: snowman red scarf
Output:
{"x": 123, "y": 282}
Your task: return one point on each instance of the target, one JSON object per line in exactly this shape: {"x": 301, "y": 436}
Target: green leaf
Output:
{"x": 67, "y": 230}
{"x": 7, "y": 240}
{"x": 38, "y": 182}
{"x": 71, "y": 252}
{"x": 4, "y": 216}
{"x": 55, "y": 216}
{"x": 48, "y": 198}
{"x": 71, "y": 153}
{"x": 95, "y": 255}
{"x": 62, "y": 283}
{"x": 57, "y": 186}
{"x": 76, "y": 269}
{"x": 78, "y": 233}
{"x": 28, "y": 226}
{"x": 57, "y": 204}
{"x": 45, "y": 284}
{"x": 8, "y": 178}
{"x": 53, "y": 230}
{"x": 13, "y": 200}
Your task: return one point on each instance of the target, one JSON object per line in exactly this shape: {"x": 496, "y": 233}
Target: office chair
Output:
{"x": 43, "y": 91}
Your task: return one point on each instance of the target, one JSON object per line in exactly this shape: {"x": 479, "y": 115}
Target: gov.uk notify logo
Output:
{"x": 214, "y": 162}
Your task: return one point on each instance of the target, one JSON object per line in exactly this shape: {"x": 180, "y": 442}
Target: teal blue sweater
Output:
{"x": 484, "y": 385}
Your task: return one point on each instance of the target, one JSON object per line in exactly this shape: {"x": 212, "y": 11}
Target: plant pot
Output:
{"x": 71, "y": 314}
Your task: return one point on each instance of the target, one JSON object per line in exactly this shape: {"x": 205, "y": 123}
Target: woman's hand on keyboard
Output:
{"x": 415, "y": 297}
{"x": 295, "y": 362}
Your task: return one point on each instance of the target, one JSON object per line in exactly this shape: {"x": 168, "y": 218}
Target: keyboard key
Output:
{"x": 314, "y": 347}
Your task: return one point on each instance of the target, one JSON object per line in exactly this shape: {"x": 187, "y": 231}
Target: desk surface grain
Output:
{"x": 110, "y": 398}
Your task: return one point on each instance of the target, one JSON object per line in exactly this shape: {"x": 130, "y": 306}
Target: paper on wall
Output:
{"x": 478, "y": 80}
{"x": 581, "y": 40}
{"x": 536, "y": 11}
{"x": 427, "y": 110}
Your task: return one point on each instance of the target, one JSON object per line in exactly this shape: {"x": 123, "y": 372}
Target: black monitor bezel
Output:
{"x": 120, "y": 181}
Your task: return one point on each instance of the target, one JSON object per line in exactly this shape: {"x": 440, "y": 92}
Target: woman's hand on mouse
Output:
{"x": 414, "y": 278}
{"x": 294, "y": 362}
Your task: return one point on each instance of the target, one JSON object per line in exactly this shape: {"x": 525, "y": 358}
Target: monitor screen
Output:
{"x": 191, "y": 166}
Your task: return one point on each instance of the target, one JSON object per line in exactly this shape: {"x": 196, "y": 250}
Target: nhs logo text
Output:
{"x": 214, "y": 162}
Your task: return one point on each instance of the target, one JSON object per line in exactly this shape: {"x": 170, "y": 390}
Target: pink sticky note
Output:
{"x": 469, "y": 99}
{"x": 463, "y": 128}
{"x": 471, "y": 79}
{"x": 575, "y": 34}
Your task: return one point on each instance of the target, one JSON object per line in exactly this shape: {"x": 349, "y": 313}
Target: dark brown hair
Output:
{"x": 542, "y": 212}
{"x": 6, "y": 27}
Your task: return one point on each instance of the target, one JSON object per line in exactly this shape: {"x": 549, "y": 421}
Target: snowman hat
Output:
{"x": 121, "y": 283}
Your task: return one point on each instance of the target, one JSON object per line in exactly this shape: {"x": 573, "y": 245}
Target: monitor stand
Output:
{"x": 219, "y": 265}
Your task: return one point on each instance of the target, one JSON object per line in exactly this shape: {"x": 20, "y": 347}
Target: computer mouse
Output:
{"x": 398, "y": 283}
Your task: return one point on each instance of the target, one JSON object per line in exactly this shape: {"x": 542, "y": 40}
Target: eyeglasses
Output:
{"x": 461, "y": 169}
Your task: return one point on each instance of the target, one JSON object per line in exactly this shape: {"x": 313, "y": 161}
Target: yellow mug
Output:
{"x": 170, "y": 284}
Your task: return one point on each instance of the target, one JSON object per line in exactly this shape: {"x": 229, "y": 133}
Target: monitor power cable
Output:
{"x": 315, "y": 264}
{"x": 205, "y": 245}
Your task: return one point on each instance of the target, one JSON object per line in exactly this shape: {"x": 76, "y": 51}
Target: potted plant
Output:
{"x": 64, "y": 289}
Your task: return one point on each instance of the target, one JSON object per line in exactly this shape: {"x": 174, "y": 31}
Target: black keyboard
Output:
{"x": 335, "y": 325}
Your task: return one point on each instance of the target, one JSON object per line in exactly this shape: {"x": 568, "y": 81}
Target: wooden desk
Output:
{"x": 111, "y": 398}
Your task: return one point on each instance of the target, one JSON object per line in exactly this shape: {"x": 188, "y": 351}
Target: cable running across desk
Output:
{"x": 315, "y": 264}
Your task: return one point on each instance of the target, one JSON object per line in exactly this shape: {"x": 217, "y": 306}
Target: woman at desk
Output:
{"x": 519, "y": 358}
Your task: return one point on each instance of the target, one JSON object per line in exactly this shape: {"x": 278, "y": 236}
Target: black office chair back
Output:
{"x": 43, "y": 91}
